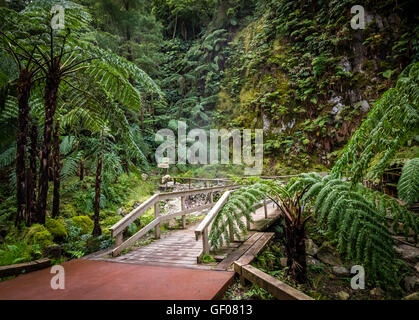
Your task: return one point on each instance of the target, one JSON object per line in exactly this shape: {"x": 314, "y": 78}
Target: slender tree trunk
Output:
{"x": 51, "y": 96}
{"x": 174, "y": 29}
{"x": 23, "y": 93}
{"x": 97, "y": 231}
{"x": 152, "y": 111}
{"x": 57, "y": 171}
{"x": 81, "y": 170}
{"x": 31, "y": 174}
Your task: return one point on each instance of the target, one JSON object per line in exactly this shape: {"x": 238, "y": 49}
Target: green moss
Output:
{"x": 83, "y": 222}
{"x": 56, "y": 227}
{"x": 67, "y": 210}
{"x": 110, "y": 221}
{"x": 38, "y": 234}
{"x": 206, "y": 258}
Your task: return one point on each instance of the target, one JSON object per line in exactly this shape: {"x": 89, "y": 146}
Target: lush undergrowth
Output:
{"x": 70, "y": 235}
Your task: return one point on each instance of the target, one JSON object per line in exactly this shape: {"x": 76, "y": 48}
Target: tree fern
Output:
{"x": 356, "y": 217}
{"x": 408, "y": 185}
{"x": 239, "y": 206}
{"x": 393, "y": 120}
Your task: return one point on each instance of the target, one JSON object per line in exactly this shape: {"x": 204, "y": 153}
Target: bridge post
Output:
{"x": 156, "y": 216}
{"x": 119, "y": 239}
{"x": 265, "y": 208}
{"x": 205, "y": 243}
{"x": 183, "y": 207}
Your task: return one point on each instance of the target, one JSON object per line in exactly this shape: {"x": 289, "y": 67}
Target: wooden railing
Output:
{"x": 117, "y": 230}
{"x": 202, "y": 231}
{"x": 205, "y": 180}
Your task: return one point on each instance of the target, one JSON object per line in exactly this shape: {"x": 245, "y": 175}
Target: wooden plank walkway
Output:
{"x": 167, "y": 268}
{"x": 179, "y": 248}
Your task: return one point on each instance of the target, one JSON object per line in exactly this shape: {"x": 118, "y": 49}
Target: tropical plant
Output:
{"x": 66, "y": 60}
{"x": 392, "y": 122}
{"x": 408, "y": 185}
{"x": 354, "y": 216}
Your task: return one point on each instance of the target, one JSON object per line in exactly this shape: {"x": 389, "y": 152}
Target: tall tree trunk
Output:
{"x": 51, "y": 96}
{"x": 81, "y": 170}
{"x": 57, "y": 171}
{"x": 31, "y": 174}
{"x": 97, "y": 231}
{"x": 174, "y": 29}
{"x": 23, "y": 93}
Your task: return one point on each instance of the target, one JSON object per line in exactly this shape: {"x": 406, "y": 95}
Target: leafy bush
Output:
{"x": 408, "y": 186}
{"x": 56, "y": 227}
{"x": 110, "y": 221}
{"x": 83, "y": 222}
{"x": 18, "y": 252}
{"x": 78, "y": 244}
{"x": 38, "y": 234}
{"x": 67, "y": 210}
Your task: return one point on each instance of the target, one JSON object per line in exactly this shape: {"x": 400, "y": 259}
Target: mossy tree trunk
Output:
{"x": 57, "y": 171}
{"x": 53, "y": 79}
{"x": 97, "y": 231}
{"x": 24, "y": 86}
{"x": 31, "y": 173}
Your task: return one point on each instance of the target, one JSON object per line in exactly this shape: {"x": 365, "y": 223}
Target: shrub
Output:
{"x": 38, "y": 234}
{"x": 67, "y": 210}
{"x": 18, "y": 252}
{"x": 83, "y": 222}
{"x": 56, "y": 227}
{"x": 110, "y": 221}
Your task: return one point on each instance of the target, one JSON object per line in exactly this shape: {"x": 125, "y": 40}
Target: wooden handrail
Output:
{"x": 118, "y": 228}
{"x": 211, "y": 215}
{"x": 170, "y": 195}
{"x": 202, "y": 179}
{"x": 202, "y": 229}
{"x": 133, "y": 215}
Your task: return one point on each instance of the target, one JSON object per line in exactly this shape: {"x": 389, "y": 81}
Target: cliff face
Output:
{"x": 300, "y": 72}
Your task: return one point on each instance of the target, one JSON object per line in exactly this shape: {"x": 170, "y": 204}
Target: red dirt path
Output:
{"x": 90, "y": 279}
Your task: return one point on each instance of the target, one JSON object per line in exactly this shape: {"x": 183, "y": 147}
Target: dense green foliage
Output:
{"x": 346, "y": 211}
{"x": 79, "y": 108}
{"x": 408, "y": 186}
{"x": 392, "y": 122}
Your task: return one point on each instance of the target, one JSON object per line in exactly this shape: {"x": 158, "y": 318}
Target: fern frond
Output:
{"x": 408, "y": 185}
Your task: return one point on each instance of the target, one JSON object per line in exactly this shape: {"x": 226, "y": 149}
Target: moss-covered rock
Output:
{"x": 38, "y": 234}
{"x": 56, "y": 227}
{"x": 83, "y": 222}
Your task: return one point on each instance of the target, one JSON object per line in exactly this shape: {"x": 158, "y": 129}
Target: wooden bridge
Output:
{"x": 186, "y": 247}
{"x": 170, "y": 267}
